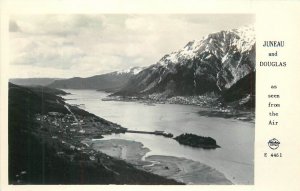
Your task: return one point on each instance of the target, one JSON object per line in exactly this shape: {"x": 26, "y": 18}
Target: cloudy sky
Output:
{"x": 84, "y": 45}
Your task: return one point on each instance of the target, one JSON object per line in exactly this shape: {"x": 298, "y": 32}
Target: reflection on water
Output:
{"x": 236, "y": 138}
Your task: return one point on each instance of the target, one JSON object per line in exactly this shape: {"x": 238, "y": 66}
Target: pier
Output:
{"x": 162, "y": 133}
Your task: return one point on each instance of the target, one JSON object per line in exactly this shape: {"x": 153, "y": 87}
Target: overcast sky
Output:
{"x": 84, "y": 45}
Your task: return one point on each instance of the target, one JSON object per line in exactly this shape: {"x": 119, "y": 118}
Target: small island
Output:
{"x": 197, "y": 141}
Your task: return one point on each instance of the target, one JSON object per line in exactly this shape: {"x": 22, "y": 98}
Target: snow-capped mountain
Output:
{"x": 132, "y": 70}
{"x": 107, "y": 82}
{"x": 212, "y": 64}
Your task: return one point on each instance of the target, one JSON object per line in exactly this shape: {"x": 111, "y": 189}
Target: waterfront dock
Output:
{"x": 162, "y": 133}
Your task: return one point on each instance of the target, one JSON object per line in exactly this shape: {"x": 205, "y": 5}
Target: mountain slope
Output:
{"x": 107, "y": 82}
{"x": 212, "y": 64}
{"x": 242, "y": 93}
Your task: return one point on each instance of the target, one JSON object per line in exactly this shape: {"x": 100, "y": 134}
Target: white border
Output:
{"x": 275, "y": 20}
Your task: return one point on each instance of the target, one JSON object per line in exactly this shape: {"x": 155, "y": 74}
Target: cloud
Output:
{"x": 85, "y": 45}
{"x": 45, "y": 52}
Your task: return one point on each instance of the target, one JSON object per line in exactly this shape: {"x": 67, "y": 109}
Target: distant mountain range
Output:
{"x": 106, "y": 82}
{"x": 213, "y": 64}
{"x": 33, "y": 81}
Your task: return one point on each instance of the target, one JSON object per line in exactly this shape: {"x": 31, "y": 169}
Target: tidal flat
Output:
{"x": 178, "y": 168}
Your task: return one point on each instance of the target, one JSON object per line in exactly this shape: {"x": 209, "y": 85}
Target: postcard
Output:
{"x": 149, "y": 95}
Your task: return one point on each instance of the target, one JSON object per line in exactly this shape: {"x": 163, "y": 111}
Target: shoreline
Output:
{"x": 179, "y": 169}
{"x": 212, "y": 107}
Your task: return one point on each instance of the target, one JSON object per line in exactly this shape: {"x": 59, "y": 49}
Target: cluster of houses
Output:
{"x": 70, "y": 131}
{"x": 193, "y": 100}
{"x": 202, "y": 100}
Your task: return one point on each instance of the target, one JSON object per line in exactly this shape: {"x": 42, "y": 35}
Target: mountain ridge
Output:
{"x": 111, "y": 82}
{"x": 33, "y": 81}
{"x": 211, "y": 65}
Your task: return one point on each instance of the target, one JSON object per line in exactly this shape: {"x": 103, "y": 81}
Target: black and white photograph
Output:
{"x": 131, "y": 99}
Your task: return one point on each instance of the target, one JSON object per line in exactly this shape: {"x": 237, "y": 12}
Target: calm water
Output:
{"x": 236, "y": 138}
